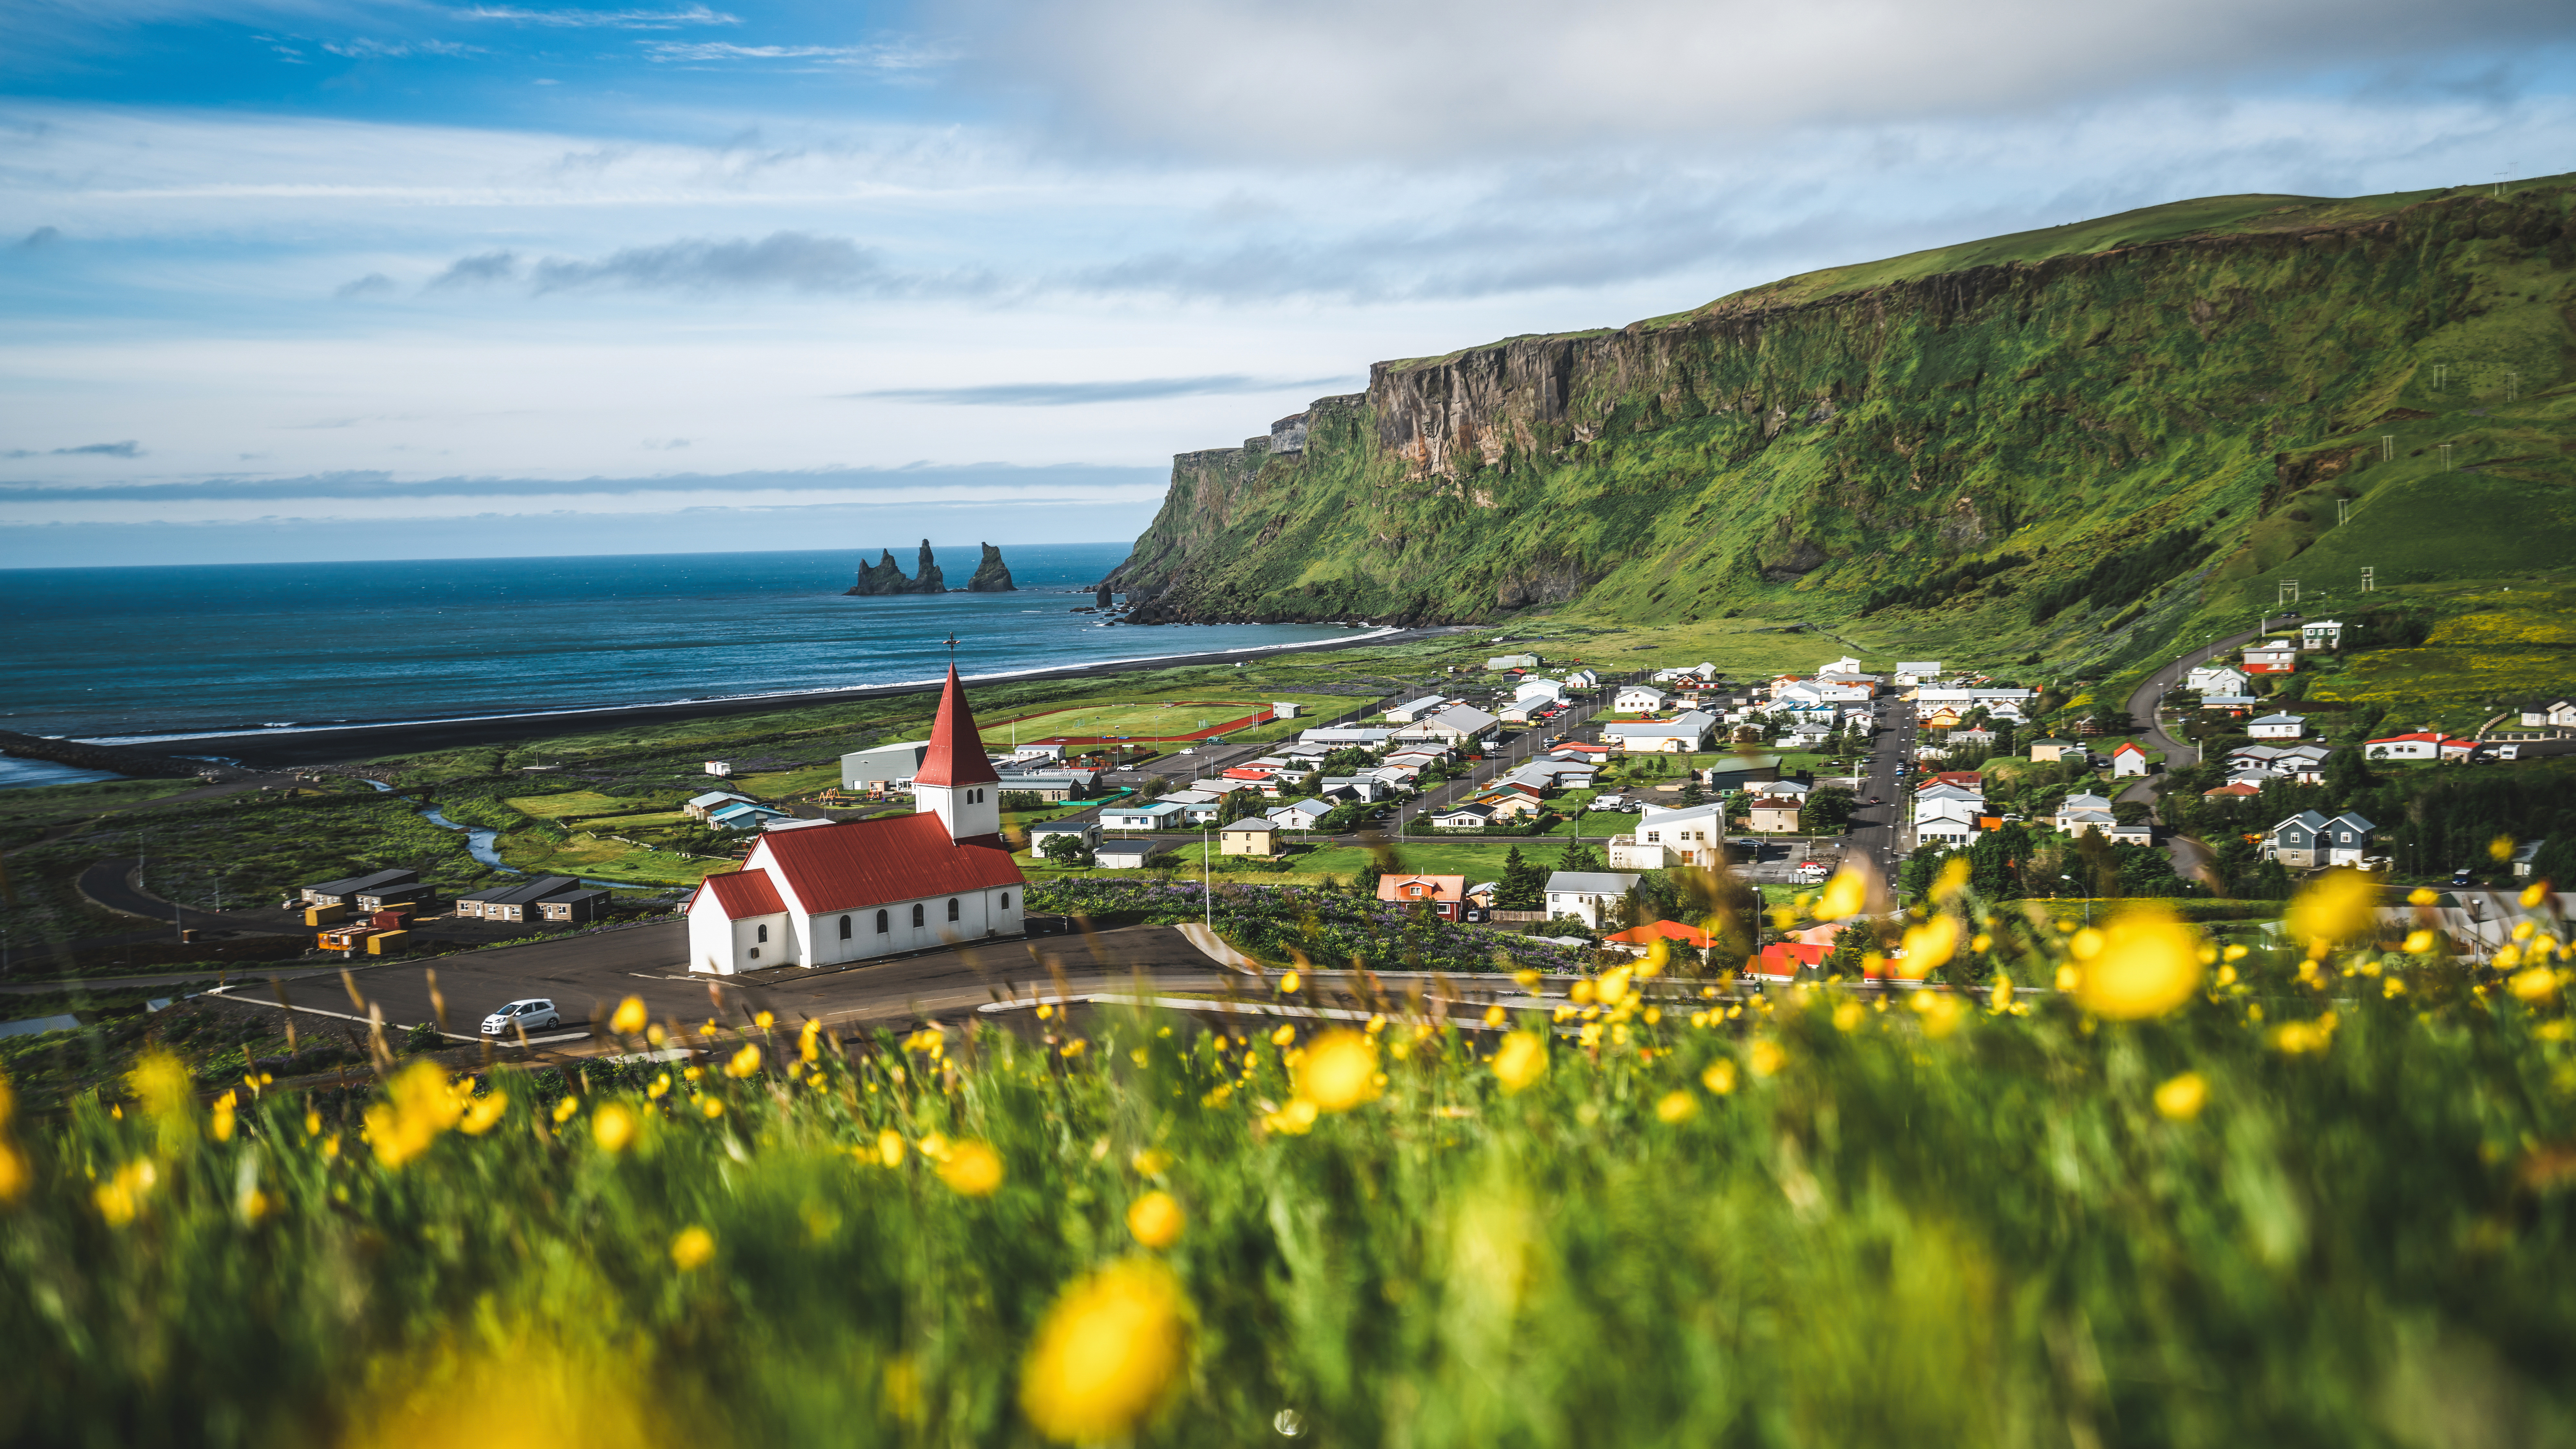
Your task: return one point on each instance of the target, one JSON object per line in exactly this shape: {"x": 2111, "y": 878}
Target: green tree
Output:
{"x": 1236, "y": 805}
{"x": 1579, "y": 856}
{"x": 1067, "y": 850}
{"x": 1523, "y": 886}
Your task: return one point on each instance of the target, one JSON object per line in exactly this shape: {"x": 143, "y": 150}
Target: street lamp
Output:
{"x": 1207, "y": 886}
{"x": 2088, "y": 900}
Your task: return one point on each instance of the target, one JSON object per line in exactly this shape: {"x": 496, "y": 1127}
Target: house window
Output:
{"x": 755, "y": 953}
{"x": 882, "y": 927}
{"x": 916, "y": 915}
{"x": 764, "y": 934}
{"x": 952, "y": 908}
{"x": 845, "y": 928}
{"x": 1006, "y": 900}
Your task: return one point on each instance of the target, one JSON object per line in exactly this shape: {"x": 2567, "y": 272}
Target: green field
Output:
{"x": 574, "y": 802}
{"x": 604, "y": 859}
{"x": 779, "y": 784}
{"x": 2163, "y": 1209}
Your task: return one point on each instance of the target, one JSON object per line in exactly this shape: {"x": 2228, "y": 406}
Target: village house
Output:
{"x": 2420, "y": 745}
{"x": 2273, "y": 656}
{"x": 1639, "y": 699}
{"x": 2546, "y": 711}
{"x": 1638, "y": 940}
{"x": 882, "y": 769}
{"x": 1948, "y": 821}
{"x": 2215, "y": 679}
{"x": 2073, "y": 807}
{"x": 1588, "y": 896}
{"x": 2321, "y": 634}
{"x": 1512, "y": 661}
{"x": 1414, "y": 709}
{"x": 1678, "y": 736}
{"x": 2278, "y": 727}
{"x": 1917, "y": 671}
{"x": 703, "y": 806}
{"x": 2128, "y": 760}
{"x": 2234, "y": 705}
{"x": 2309, "y": 840}
{"x": 1248, "y": 837}
{"x": 1686, "y": 835}
{"x": 1143, "y": 815}
{"x": 1443, "y": 895}
{"x": 860, "y": 889}
{"x": 1470, "y": 816}
{"x": 1456, "y": 726}
{"x": 1302, "y": 815}
{"x": 1337, "y": 737}
{"x": 1767, "y": 813}
{"x": 2233, "y": 790}
{"x": 744, "y": 815}
{"x": 2050, "y": 751}
{"x": 1124, "y": 854}
{"x": 527, "y": 900}
{"x": 1085, "y": 831}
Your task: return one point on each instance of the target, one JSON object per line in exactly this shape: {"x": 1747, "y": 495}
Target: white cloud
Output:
{"x": 600, "y": 19}
{"x": 1424, "y": 82}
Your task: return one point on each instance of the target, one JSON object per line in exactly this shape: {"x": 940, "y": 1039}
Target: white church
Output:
{"x": 830, "y": 894}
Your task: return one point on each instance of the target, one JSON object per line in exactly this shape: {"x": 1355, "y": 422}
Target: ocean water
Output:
{"x": 162, "y": 653}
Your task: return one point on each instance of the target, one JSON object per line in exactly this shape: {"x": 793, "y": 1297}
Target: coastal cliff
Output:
{"x": 992, "y": 576}
{"x": 2013, "y": 411}
{"x": 885, "y": 576}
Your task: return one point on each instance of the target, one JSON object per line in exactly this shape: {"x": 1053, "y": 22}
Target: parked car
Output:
{"x": 533, "y": 1014}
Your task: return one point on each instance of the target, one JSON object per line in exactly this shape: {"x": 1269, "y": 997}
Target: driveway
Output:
{"x": 2190, "y": 857}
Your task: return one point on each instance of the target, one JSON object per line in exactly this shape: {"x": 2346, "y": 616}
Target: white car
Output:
{"x": 530, "y": 1015}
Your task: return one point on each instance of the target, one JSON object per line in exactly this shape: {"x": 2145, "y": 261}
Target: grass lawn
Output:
{"x": 572, "y": 802}
{"x": 606, "y": 860}
{"x": 636, "y": 822}
{"x": 803, "y": 780}
{"x": 1597, "y": 823}
{"x": 1482, "y": 860}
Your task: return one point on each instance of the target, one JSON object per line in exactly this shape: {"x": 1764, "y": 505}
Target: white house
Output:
{"x": 1917, "y": 671}
{"x": 1639, "y": 699}
{"x": 1679, "y": 735}
{"x": 1539, "y": 691}
{"x": 1124, "y": 854}
{"x": 1302, "y": 815}
{"x": 2278, "y": 727}
{"x": 1085, "y": 831}
{"x": 2215, "y": 679}
{"x": 1844, "y": 665}
{"x": 2128, "y": 759}
{"x": 866, "y": 888}
{"x": 1414, "y": 709}
{"x": 1688, "y": 835}
{"x": 1582, "y": 679}
{"x": 2081, "y": 804}
{"x": 1587, "y": 895}
{"x": 2321, "y": 634}
{"x": 2420, "y": 745}
{"x": 1143, "y": 815}
{"x": 1951, "y": 822}
{"x": 1464, "y": 817}
{"x": 1456, "y": 725}
{"x": 2272, "y": 656}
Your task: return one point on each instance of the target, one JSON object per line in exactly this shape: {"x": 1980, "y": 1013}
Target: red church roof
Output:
{"x": 743, "y": 894}
{"x": 869, "y": 862}
{"x": 956, "y": 754}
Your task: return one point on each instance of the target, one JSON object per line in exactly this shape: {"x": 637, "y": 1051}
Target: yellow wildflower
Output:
{"x": 1720, "y": 1077}
{"x": 2001, "y": 993}
{"x": 480, "y": 1114}
{"x": 2149, "y": 963}
{"x": 422, "y": 1107}
{"x": 1928, "y": 946}
{"x": 711, "y": 1107}
{"x": 1151, "y": 1162}
{"x": 973, "y": 1169}
{"x": 1296, "y": 1119}
{"x": 1765, "y": 1057}
{"x": 2334, "y": 907}
{"x": 764, "y": 1020}
{"x": 629, "y": 1018}
{"x": 1520, "y": 1060}
{"x": 2418, "y": 942}
{"x": 1289, "y": 983}
{"x": 566, "y": 1109}
{"x": 1105, "y": 1354}
{"x": 2422, "y": 896}
{"x": 1952, "y": 879}
{"x": 613, "y": 1126}
{"x": 1849, "y": 1015}
{"x": 2535, "y": 985}
{"x": 1495, "y": 1015}
{"x": 1525, "y": 978}
{"x": 1612, "y": 986}
{"x": 1675, "y": 1108}
{"x": 1844, "y": 895}
{"x": 692, "y": 1248}
{"x": 1156, "y": 1219}
{"x": 890, "y": 1148}
{"x": 2179, "y": 1099}
{"x": 1659, "y": 953}
{"x": 2501, "y": 848}
{"x": 2297, "y": 1038}
{"x": 1285, "y": 1035}
{"x": 223, "y": 1124}
{"x": 120, "y": 1198}
{"x": 1338, "y": 1071}
{"x": 1941, "y": 1012}
{"x": 745, "y": 1062}
{"x": 2534, "y": 893}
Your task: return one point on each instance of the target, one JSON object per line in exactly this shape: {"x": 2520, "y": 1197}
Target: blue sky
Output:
{"x": 284, "y": 276}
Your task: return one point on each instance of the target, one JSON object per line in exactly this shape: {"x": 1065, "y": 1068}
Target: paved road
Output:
{"x": 2190, "y": 858}
{"x": 1881, "y": 832}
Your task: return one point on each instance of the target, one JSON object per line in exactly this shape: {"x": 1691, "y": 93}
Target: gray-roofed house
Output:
{"x": 522, "y": 901}
{"x": 702, "y": 806}
{"x": 2278, "y": 727}
{"x": 1456, "y": 725}
{"x": 1679, "y": 735}
{"x": 1123, "y": 854}
{"x": 1588, "y": 895}
{"x": 880, "y": 768}
{"x": 1464, "y": 817}
{"x": 2309, "y": 839}
{"x": 345, "y": 892}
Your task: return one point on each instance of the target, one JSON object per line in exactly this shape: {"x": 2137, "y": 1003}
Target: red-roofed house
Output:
{"x": 1442, "y": 893}
{"x": 2238, "y": 791}
{"x": 2421, "y": 745}
{"x": 867, "y": 888}
{"x": 1782, "y": 960}
{"x": 1636, "y": 939}
{"x": 2128, "y": 759}
{"x": 1964, "y": 779}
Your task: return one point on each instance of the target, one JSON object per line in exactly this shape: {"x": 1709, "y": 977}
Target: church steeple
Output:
{"x": 956, "y": 779}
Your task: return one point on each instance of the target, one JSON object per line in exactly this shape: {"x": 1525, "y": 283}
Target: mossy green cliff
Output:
{"x": 2092, "y": 432}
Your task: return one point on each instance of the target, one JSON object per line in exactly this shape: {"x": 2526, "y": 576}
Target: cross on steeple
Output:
{"x": 951, "y": 642}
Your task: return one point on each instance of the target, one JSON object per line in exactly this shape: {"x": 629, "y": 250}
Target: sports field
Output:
{"x": 1142, "y": 720}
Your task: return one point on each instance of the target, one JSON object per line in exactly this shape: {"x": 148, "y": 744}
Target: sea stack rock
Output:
{"x": 1104, "y": 597}
{"x": 928, "y": 581}
{"x": 885, "y": 576}
{"x": 992, "y": 576}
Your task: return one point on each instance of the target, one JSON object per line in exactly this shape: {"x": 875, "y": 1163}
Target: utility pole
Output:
{"x": 2368, "y": 583}
{"x": 2387, "y": 447}
{"x": 2343, "y": 511}
{"x": 2446, "y": 457}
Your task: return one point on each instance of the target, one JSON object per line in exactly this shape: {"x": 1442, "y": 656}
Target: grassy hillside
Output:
{"x": 2074, "y": 445}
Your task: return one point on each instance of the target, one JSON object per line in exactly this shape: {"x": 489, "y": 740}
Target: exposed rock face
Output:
{"x": 123, "y": 761}
{"x": 992, "y": 576}
{"x": 1809, "y": 442}
{"x": 885, "y": 576}
{"x": 1102, "y": 601}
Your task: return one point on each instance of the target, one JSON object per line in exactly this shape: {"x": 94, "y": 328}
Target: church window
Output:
{"x": 845, "y": 928}
{"x": 1006, "y": 900}
{"x": 882, "y": 926}
{"x": 916, "y": 916}
{"x": 952, "y": 908}
{"x": 764, "y": 933}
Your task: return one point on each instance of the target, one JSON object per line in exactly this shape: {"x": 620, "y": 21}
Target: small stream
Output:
{"x": 483, "y": 843}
